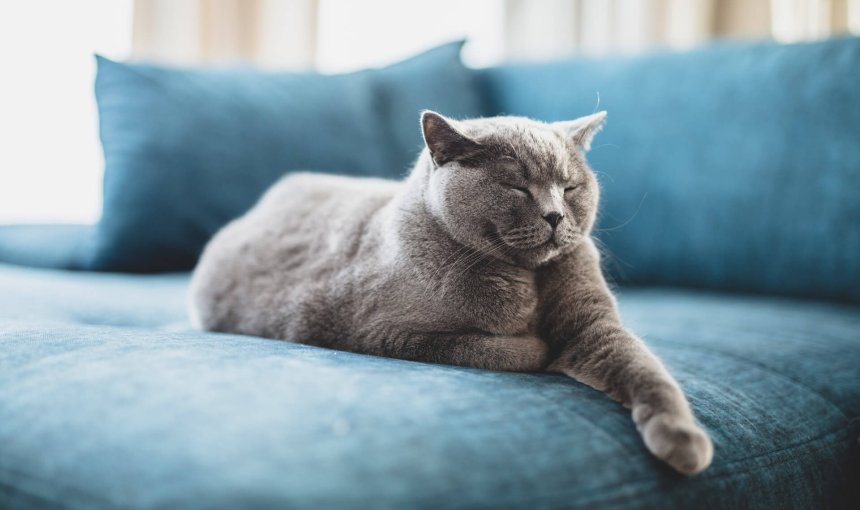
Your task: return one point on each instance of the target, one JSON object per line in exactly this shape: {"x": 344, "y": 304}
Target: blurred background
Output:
{"x": 46, "y": 47}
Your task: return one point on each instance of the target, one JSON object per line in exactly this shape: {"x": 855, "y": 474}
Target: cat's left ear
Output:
{"x": 582, "y": 130}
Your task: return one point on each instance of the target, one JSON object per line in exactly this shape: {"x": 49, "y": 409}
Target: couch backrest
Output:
{"x": 732, "y": 167}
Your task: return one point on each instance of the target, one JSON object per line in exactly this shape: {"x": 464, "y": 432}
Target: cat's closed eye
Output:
{"x": 520, "y": 190}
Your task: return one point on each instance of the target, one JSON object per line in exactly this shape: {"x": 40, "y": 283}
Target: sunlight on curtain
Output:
{"x": 799, "y": 20}
{"x": 51, "y": 160}
{"x": 267, "y": 33}
{"x": 538, "y": 29}
{"x": 371, "y": 33}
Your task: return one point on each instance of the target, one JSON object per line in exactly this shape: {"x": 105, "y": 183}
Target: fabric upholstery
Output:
{"x": 92, "y": 298}
{"x": 732, "y": 167}
{"x": 187, "y": 150}
{"x": 46, "y": 246}
{"x": 99, "y": 416}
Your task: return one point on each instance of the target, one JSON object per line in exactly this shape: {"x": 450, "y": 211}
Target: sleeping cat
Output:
{"x": 481, "y": 258}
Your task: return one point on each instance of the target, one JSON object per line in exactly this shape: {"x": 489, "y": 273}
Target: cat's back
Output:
{"x": 308, "y": 194}
{"x": 303, "y": 230}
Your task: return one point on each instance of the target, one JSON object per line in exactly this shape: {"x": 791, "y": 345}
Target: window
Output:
{"x": 50, "y": 157}
{"x": 353, "y": 35}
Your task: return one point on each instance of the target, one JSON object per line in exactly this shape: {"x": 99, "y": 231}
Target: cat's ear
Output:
{"x": 445, "y": 141}
{"x": 582, "y": 130}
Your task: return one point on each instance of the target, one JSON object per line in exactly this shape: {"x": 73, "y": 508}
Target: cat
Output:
{"x": 481, "y": 258}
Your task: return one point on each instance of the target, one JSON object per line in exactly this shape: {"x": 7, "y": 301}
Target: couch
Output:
{"x": 730, "y": 222}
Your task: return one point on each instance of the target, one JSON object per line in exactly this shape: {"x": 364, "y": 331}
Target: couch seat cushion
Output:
{"x": 108, "y": 416}
{"x": 46, "y": 246}
{"x": 78, "y": 297}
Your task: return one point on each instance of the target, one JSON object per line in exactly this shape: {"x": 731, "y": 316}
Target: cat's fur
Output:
{"x": 459, "y": 264}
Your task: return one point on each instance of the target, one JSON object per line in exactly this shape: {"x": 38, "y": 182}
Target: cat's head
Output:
{"x": 512, "y": 187}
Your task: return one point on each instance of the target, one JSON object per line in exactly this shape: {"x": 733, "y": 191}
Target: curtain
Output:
{"x": 267, "y": 33}
{"x": 286, "y": 33}
{"x": 795, "y": 20}
{"x": 537, "y": 29}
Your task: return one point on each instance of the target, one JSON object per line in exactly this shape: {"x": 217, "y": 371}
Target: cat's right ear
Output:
{"x": 582, "y": 130}
{"x": 445, "y": 142}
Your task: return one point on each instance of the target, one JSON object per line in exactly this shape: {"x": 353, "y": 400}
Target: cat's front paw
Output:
{"x": 679, "y": 442}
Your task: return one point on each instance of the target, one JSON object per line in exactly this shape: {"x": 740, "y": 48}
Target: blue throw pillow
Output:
{"x": 733, "y": 167}
{"x": 187, "y": 150}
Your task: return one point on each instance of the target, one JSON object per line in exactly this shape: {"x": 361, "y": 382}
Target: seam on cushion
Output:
{"x": 680, "y": 346}
{"x": 15, "y": 490}
{"x": 590, "y": 423}
{"x": 57, "y": 500}
{"x": 647, "y": 484}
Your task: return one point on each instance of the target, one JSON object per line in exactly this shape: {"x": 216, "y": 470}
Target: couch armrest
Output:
{"x": 47, "y": 246}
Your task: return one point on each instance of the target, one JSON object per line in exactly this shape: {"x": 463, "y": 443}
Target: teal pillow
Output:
{"x": 734, "y": 167}
{"x": 187, "y": 150}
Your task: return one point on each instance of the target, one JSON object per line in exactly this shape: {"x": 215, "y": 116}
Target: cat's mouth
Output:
{"x": 533, "y": 246}
{"x": 537, "y": 239}
{"x": 529, "y": 238}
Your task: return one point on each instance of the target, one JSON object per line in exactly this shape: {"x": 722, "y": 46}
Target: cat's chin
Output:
{"x": 538, "y": 256}
{"x": 549, "y": 251}
{"x": 535, "y": 256}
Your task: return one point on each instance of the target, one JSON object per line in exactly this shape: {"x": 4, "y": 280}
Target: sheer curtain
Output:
{"x": 337, "y": 34}
{"x": 600, "y": 27}
{"x": 330, "y": 35}
{"x": 267, "y": 33}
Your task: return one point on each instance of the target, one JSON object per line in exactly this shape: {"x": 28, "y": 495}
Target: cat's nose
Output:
{"x": 553, "y": 218}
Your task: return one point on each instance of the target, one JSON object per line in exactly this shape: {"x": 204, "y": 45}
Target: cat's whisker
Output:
{"x": 456, "y": 253}
{"x": 631, "y": 218}
{"x": 466, "y": 261}
{"x": 466, "y": 254}
{"x": 487, "y": 254}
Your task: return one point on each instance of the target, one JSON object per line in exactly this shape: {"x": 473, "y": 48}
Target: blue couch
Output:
{"x": 730, "y": 220}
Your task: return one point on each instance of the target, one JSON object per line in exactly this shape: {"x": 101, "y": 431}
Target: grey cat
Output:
{"x": 481, "y": 258}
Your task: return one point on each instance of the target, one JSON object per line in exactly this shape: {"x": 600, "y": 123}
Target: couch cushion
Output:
{"x": 46, "y": 246}
{"x": 733, "y": 167}
{"x": 187, "y": 150}
{"x": 78, "y": 297}
{"x": 100, "y": 416}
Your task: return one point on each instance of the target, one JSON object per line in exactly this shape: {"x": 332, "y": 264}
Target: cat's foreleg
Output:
{"x": 614, "y": 361}
{"x": 491, "y": 352}
{"x": 589, "y": 344}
